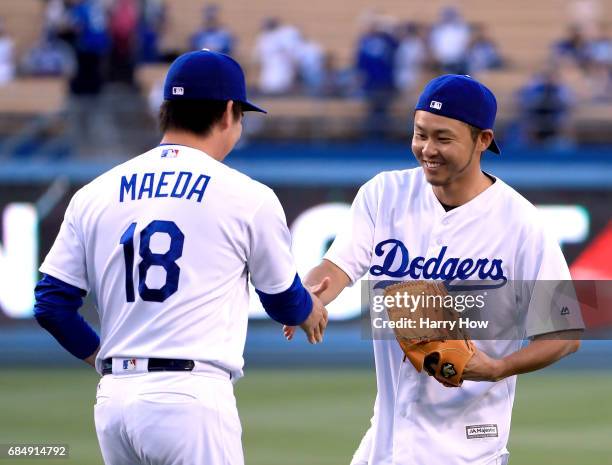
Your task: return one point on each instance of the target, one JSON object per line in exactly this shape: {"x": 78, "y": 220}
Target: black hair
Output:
{"x": 194, "y": 116}
{"x": 475, "y": 132}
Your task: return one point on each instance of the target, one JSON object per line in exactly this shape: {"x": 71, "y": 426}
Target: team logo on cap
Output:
{"x": 178, "y": 91}
{"x": 435, "y": 105}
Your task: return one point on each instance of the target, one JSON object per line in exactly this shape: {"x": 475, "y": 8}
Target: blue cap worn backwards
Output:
{"x": 207, "y": 75}
{"x": 463, "y": 98}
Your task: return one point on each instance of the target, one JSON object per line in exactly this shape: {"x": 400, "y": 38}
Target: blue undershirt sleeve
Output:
{"x": 290, "y": 307}
{"x": 57, "y": 310}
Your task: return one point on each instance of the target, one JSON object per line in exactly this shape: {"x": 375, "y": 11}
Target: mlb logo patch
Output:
{"x": 178, "y": 91}
{"x": 170, "y": 153}
{"x": 129, "y": 364}
{"x": 435, "y": 105}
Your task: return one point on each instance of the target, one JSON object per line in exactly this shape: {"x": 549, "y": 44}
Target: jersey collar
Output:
{"x": 480, "y": 203}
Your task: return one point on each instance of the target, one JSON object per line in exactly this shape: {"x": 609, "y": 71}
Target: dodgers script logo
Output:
{"x": 440, "y": 267}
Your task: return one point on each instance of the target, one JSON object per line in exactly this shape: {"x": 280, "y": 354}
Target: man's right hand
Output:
{"x": 325, "y": 281}
{"x": 314, "y": 326}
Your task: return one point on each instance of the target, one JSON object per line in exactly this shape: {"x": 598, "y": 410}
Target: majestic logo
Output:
{"x": 435, "y": 105}
{"x": 178, "y": 91}
{"x": 481, "y": 431}
{"x": 397, "y": 264}
{"x": 565, "y": 311}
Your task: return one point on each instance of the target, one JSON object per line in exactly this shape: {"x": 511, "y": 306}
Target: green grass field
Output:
{"x": 315, "y": 417}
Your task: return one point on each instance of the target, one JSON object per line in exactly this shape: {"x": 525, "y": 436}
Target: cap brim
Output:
{"x": 493, "y": 147}
{"x": 248, "y": 106}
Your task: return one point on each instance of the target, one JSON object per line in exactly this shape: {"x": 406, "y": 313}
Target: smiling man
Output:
{"x": 447, "y": 220}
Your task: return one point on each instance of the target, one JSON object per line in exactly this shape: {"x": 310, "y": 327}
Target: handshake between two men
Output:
{"x": 313, "y": 326}
{"x": 324, "y": 282}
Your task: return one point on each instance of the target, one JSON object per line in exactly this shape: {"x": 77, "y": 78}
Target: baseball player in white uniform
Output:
{"x": 165, "y": 243}
{"x": 448, "y": 220}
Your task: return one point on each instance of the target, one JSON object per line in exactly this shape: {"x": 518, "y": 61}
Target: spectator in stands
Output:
{"x": 213, "y": 35}
{"x": 572, "y": 49}
{"x": 599, "y": 83}
{"x": 375, "y": 60}
{"x": 150, "y": 28}
{"x": 92, "y": 45}
{"x": 123, "y": 28}
{"x": 92, "y": 130}
{"x": 338, "y": 81}
{"x": 58, "y": 23}
{"x": 275, "y": 51}
{"x": 410, "y": 57}
{"x": 7, "y": 63}
{"x": 585, "y": 15}
{"x": 55, "y": 16}
{"x": 482, "y": 52}
{"x": 599, "y": 73}
{"x": 599, "y": 49}
{"x": 449, "y": 41}
{"x": 49, "y": 57}
{"x": 546, "y": 104}
{"x": 310, "y": 59}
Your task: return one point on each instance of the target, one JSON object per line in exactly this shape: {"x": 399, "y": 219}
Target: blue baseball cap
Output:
{"x": 463, "y": 98}
{"x": 207, "y": 75}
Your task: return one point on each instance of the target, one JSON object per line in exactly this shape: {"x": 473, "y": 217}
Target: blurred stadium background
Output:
{"x": 79, "y": 88}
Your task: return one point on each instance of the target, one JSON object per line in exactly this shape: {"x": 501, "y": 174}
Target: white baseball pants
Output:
{"x": 168, "y": 418}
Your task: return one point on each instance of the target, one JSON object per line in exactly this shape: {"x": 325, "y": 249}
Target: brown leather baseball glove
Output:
{"x": 432, "y": 341}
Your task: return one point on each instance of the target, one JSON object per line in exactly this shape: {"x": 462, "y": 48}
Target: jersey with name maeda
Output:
{"x": 166, "y": 242}
{"x": 400, "y": 231}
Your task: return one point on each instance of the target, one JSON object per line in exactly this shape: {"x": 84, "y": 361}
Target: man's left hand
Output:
{"x": 481, "y": 367}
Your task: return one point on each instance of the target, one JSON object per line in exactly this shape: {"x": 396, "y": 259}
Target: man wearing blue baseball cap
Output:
{"x": 167, "y": 242}
{"x": 449, "y": 222}
{"x": 453, "y": 126}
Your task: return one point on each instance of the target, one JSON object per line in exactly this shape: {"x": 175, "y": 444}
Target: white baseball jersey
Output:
{"x": 165, "y": 243}
{"x": 400, "y": 231}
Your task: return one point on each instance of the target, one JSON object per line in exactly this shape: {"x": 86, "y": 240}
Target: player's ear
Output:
{"x": 227, "y": 118}
{"x": 484, "y": 139}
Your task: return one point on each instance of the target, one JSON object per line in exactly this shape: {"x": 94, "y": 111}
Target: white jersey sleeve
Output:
{"x": 270, "y": 262}
{"x": 66, "y": 259}
{"x": 549, "y": 294}
{"x": 351, "y": 251}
